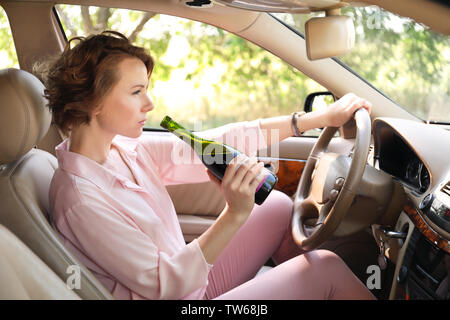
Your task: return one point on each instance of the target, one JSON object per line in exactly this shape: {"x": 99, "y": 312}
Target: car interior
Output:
{"x": 375, "y": 191}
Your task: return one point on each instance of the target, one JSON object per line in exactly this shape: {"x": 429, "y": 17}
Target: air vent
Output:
{"x": 446, "y": 189}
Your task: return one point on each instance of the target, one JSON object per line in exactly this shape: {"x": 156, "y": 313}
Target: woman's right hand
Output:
{"x": 239, "y": 184}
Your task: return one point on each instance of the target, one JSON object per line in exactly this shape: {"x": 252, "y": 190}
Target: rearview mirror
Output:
{"x": 329, "y": 36}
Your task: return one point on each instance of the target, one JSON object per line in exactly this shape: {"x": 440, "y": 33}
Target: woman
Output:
{"x": 111, "y": 208}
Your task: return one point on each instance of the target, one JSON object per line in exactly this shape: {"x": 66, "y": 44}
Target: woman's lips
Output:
{"x": 142, "y": 123}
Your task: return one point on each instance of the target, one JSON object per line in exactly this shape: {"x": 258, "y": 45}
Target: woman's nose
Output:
{"x": 148, "y": 104}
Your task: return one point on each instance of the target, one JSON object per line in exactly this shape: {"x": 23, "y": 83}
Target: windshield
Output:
{"x": 403, "y": 59}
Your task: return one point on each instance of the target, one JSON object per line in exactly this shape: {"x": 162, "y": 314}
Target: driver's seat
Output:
{"x": 25, "y": 176}
{"x": 24, "y": 276}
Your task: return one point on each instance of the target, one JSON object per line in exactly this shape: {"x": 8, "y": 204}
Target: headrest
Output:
{"x": 24, "y": 117}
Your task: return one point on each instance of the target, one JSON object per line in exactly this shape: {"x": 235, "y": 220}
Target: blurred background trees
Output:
{"x": 205, "y": 74}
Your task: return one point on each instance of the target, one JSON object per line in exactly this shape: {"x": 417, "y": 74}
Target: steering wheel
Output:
{"x": 328, "y": 185}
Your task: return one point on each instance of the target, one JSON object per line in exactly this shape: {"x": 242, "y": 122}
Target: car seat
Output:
{"x": 23, "y": 276}
{"x": 25, "y": 176}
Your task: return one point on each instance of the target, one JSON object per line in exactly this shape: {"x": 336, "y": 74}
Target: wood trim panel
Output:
{"x": 415, "y": 216}
{"x": 289, "y": 173}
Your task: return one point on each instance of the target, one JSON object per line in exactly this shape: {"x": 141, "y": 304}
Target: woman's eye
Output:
{"x": 137, "y": 92}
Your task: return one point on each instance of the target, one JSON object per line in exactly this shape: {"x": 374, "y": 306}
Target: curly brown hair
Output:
{"x": 77, "y": 79}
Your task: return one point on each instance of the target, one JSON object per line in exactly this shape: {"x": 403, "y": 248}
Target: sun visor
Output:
{"x": 329, "y": 36}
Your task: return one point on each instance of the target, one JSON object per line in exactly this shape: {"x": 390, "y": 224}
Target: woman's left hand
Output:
{"x": 343, "y": 109}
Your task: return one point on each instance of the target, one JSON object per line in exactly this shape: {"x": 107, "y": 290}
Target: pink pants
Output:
{"x": 318, "y": 274}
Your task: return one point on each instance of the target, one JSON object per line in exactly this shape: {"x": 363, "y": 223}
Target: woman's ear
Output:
{"x": 97, "y": 110}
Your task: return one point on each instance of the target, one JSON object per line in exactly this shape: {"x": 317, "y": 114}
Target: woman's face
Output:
{"x": 123, "y": 110}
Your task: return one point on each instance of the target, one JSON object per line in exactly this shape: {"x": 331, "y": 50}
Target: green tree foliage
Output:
{"x": 8, "y": 56}
{"x": 254, "y": 84}
{"x": 404, "y": 59}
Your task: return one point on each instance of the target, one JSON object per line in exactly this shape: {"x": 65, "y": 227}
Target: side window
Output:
{"x": 8, "y": 56}
{"x": 202, "y": 73}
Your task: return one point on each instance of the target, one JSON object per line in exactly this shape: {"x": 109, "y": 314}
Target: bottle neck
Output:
{"x": 188, "y": 136}
{"x": 196, "y": 142}
{"x": 203, "y": 147}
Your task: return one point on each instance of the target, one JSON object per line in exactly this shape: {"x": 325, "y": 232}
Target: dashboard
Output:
{"x": 417, "y": 155}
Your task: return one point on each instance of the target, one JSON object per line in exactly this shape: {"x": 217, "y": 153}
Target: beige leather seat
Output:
{"x": 23, "y": 276}
{"x": 25, "y": 176}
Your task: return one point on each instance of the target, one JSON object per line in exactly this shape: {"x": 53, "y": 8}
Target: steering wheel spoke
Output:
{"x": 324, "y": 211}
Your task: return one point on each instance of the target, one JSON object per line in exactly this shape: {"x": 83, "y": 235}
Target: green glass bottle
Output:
{"x": 216, "y": 156}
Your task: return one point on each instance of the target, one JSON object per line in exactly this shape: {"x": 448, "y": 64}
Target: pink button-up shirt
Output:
{"x": 128, "y": 234}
